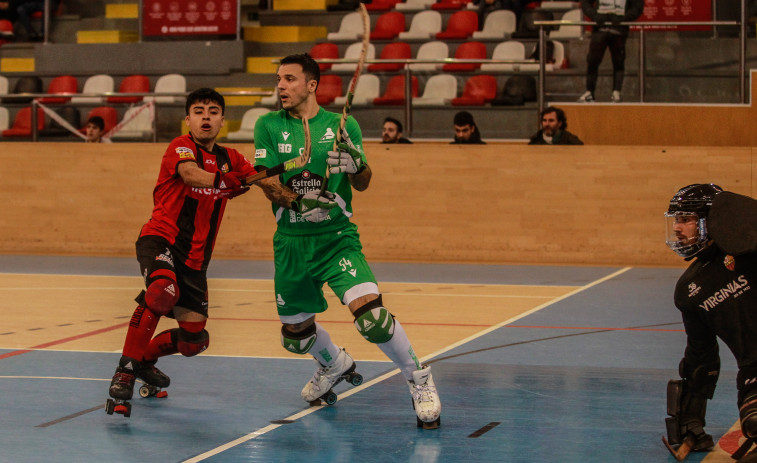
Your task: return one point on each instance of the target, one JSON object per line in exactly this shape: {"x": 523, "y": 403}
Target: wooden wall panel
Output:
{"x": 429, "y": 202}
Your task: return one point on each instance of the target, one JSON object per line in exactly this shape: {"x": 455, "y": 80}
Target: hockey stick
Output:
{"x": 286, "y": 166}
{"x": 353, "y": 83}
{"x": 683, "y": 450}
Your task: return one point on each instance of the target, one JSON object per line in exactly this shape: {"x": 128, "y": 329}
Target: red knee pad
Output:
{"x": 192, "y": 338}
{"x": 162, "y": 293}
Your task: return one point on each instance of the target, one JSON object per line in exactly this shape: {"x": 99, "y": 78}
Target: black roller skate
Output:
{"x": 121, "y": 388}
{"x": 154, "y": 381}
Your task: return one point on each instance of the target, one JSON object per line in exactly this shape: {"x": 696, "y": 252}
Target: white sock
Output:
{"x": 324, "y": 350}
{"x": 399, "y": 351}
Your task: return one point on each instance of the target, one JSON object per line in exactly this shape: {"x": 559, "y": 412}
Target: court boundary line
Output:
{"x": 343, "y": 395}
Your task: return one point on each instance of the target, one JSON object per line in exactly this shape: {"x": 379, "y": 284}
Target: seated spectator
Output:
{"x": 94, "y": 130}
{"x": 553, "y": 129}
{"x": 391, "y": 132}
{"x": 487, "y": 6}
{"x": 466, "y": 131}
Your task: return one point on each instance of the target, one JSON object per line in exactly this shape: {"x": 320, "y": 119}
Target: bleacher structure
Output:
{"x": 94, "y": 49}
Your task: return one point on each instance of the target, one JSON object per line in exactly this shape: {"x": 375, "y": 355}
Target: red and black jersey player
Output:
{"x": 197, "y": 177}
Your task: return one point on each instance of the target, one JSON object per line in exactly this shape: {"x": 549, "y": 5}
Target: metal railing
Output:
{"x": 103, "y": 97}
{"x": 642, "y": 41}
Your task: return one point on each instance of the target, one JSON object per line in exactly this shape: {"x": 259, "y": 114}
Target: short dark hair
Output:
{"x": 205, "y": 95}
{"x": 559, "y": 113}
{"x": 395, "y": 122}
{"x": 97, "y": 121}
{"x": 464, "y": 118}
{"x": 309, "y": 66}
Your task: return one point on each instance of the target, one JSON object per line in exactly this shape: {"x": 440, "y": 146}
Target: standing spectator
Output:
{"x": 608, "y": 14}
{"x": 24, "y": 11}
{"x": 391, "y": 132}
{"x": 466, "y": 131}
{"x": 553, "y": 129}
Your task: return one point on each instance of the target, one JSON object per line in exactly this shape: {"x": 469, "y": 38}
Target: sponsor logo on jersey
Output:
{"x": 730, "y": 263}
{"x": 304, "y": 182}
{"x": 733, "y": 289}
{"x": 285, "y": 135}
{"x": 165, "y": 257}
{"x": 184, "y": 152}
{"x": 329, "y": 135}
{"x": 260, "y": 154}
{"x": 693, "y": 289}
{"x": 280, "y": 300}
{"x": 212, "y": 162}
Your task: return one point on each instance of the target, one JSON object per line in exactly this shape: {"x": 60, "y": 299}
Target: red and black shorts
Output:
{"x": 154, "y": 253}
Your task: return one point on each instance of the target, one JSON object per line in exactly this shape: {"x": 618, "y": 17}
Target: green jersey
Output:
{"x": 280, "y": 137}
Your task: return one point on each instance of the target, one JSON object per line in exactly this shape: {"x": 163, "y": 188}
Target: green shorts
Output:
{"x": 305, "y": 262}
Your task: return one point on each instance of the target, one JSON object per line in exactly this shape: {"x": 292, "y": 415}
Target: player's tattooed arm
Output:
{"x": 277, "y": 193}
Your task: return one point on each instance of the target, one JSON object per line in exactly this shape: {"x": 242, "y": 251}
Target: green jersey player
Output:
{"x": 316, "y": 243}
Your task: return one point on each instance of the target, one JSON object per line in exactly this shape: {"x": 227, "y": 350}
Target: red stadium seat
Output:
{"x": 58, "y": 11}
{"x": 61, "y": 85}
{"x": 395, "y": 92}
{"x": 450, "y": 4}
{"x": 329, "y": 87}
{"x": 388, "y": 26}
{"x": 136, "y": 83}
{"x": 478, "y": 91}
{"x": 109, "y": 115}
{"x": 22, "y": 124}
{"x": 467, "y": 50}
{"x": 6, "y": 31}
{"x": 394, "y": 50}
{"x": 325, "y": 50}
{"x": 460, "y": 26}
{"x": 381, "y": 5}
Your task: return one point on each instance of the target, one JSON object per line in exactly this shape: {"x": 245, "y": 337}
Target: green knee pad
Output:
{"x": 376, "y": 324}
{"x": 298, "y": 343}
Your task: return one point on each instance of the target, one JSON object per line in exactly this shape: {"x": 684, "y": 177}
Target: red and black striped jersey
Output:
{"x": 189, "y": 217}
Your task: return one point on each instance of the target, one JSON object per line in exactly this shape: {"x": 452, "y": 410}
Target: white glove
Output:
{"x": 314, "y": 206}
{"x": 346, "y": 159}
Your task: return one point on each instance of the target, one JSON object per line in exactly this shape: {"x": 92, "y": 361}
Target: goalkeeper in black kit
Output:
{"x": 717, "y": 297}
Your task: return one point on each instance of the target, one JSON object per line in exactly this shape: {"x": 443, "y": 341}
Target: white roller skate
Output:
{"x": 326, "y": 377}
{"x": 426, "y": 403}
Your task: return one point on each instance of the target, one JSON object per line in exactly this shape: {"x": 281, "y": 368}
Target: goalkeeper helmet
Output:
{"x": 686, "y": 218}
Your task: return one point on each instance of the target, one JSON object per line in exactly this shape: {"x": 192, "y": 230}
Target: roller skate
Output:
{"x": 426, "y": 403}
{"x": 154, "y": 381}
{"x": 319, "y": 388}
{"x": 122, "y": 388}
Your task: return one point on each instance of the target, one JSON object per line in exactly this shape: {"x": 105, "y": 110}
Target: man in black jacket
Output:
{"x": 715, "y": 296}
{"x": 553, "y": 129}
{"x": 608, "y": 14}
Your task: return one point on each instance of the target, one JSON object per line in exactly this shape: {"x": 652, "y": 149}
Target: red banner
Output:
{"x": 189, "y": 17}
{"x": 677, "y": 11}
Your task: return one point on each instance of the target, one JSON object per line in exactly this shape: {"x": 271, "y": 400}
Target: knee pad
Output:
{"x": 162, "y": 291}
{"x": 374, "y": 322}
{"x": 298, "y": 343}
{"x": 190, "y": 341}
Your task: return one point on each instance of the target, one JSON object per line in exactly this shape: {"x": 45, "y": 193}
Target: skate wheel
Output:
{"x": 329, "y": 398}
{"x": 145, "y": 391}
{"x": 109, "y": 406}
{"x": 356, "y": 379}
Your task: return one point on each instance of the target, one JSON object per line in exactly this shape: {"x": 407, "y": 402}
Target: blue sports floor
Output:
{"x": 575, "y": 378}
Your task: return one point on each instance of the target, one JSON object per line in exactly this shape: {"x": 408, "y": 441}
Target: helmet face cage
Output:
{"x": 690, "y": 202}
{"x": 685, "y": 246}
